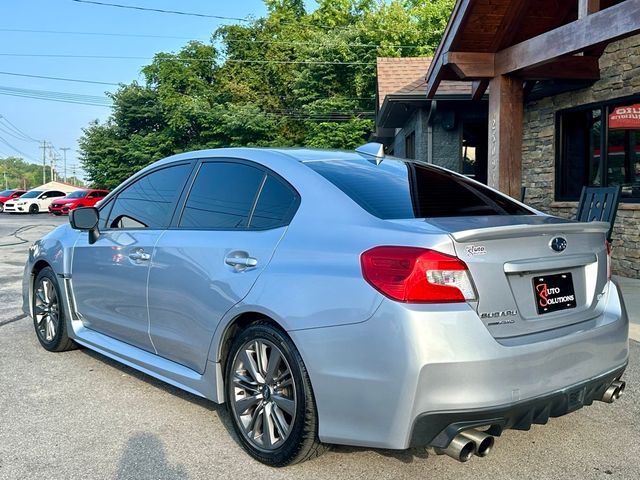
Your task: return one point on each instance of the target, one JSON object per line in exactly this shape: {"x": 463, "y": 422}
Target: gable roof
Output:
{"x": 407, "y": 76}
{"x": 402, "y": 87}
{"x": 63, "y": 187}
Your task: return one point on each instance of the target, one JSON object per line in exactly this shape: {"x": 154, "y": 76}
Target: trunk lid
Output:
{"x": 514, "y": 267}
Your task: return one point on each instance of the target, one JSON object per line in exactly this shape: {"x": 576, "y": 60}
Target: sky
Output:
{"x": 27, "y": 43}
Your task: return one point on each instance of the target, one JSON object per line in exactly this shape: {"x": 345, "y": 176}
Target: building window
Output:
{"x": 584, "y": 134}
{"x": 410, "y": 145}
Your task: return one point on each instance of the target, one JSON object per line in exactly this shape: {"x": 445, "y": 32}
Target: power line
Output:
{"x": 16, "y": 149}
{"x": 296, "y": 23}
{"x": 227, "y": 40}
{"x": 59, "y": 95}
{"x": 6, "y": 131}
{"x": 63, "y": 97}
{"x": 182, "y": 59}
{"x": 63, "y": 79}
{"x": 17, "y": 130}
{"x": 319, "y": 44}
{"x": 160, "y": 10}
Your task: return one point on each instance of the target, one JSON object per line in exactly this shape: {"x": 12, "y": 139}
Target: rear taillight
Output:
{"x": 607, "y": 245}
{"x": 417, "y": 275}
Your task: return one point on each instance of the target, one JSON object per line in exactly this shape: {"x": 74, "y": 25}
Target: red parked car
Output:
{"x": 7, "y": 195}
{"x": 79, "y": 198}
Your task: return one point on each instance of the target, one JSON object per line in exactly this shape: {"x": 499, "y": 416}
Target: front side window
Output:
{"x": 149, "y": 202}
{"x": 77, "y": 194}
{"x": 398, "y": 189}
{"x": 52, "y": 194}
{"x": 599, "y": 146}
{"x": 222, "y": 196}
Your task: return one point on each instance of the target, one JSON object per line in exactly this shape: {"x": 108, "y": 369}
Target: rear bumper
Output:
{"x": 410, "y": 371}
{"x": 438, "y": 429}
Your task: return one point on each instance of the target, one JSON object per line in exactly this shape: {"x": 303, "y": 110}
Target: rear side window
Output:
{"x": 276, "y": 205}
{"x": 222, "y": 196}
{"x": 149, "y": 201}
{"x": 397, "y": 189}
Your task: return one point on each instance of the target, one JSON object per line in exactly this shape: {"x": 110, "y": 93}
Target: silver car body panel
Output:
{"x": 375, "y": 365}
{"x": 110, "y": 288}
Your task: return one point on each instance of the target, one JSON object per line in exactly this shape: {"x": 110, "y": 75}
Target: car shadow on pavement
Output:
{"x": 148, "y": 379}
{"x": 219, "y": 409}
{"x": 144, "y": 457}
{"x": 404, "y": 456}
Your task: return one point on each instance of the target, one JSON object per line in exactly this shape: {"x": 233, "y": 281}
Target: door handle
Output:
{"x": 139, "y": 255}
{"x": 241, "y": 263}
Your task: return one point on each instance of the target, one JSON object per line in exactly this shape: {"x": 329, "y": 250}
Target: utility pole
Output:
{"x": 74, "y": 175}
{"x": 44, "y": 161}
{"x": 64, "y": 171}
{"x": 52, "y": 162}
{"x": 6, "y": 185}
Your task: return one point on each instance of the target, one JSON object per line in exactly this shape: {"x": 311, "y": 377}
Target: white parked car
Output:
{"x": 34, "y": 201}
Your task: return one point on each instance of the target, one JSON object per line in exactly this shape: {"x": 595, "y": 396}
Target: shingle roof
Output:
{"x": 407, "y": 75}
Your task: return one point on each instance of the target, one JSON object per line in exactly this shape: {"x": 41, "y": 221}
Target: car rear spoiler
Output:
{"x": 515, "y": 231}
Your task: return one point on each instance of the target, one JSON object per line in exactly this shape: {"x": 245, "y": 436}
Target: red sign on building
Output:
{"x": 627, "y": 118}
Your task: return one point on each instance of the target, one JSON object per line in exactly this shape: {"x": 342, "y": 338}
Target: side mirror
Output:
{"x": 86, "y": 218}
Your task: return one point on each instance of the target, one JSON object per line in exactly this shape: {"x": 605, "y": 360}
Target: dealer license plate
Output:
{"x": 554, "y": 292}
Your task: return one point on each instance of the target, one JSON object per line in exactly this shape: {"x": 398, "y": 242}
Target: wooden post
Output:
{"x": 505, "y": 134}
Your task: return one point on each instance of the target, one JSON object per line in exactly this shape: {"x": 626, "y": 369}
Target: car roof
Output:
{"x": 262, "y": 155}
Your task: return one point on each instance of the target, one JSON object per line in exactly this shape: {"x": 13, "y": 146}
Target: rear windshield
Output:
{"x": 398, "y": 189}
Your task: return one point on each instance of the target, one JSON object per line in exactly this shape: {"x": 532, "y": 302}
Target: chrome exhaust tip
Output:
{"x": 461, "y": 448}
{"x": 484, "y": 442}
{"x": 621, "y": 385}
{"x": 611, "y": 394}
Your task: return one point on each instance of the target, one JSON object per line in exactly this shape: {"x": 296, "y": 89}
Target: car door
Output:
{"x": 90, "y": 199}
{"x": 45, "y": 199}
{"x": 231, "y": 223}
{"x": 110, "y": 276}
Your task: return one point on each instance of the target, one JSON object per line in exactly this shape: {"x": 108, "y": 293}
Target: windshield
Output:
{"x": 6, "y": 193}
{"x": 78, "y": 194}
{"x": 399, "y": 189}
{"x": 32, "y": 194}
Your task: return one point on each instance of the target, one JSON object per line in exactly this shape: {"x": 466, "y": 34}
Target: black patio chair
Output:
{"x": 599, "y": 204}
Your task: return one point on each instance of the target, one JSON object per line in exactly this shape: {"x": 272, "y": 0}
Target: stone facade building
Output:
{"x": 563, "y": 136}
{"x": 542, "y": 153}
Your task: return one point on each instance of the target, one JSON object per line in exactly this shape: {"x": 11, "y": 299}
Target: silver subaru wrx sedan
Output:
{"x": 337, "y": 297}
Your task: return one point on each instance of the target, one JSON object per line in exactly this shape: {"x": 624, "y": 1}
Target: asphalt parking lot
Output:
{"x": 79, "y": 415}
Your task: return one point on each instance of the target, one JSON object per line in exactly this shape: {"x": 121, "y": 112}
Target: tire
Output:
{"x": 33, "y": 209}
{"x": 1, "y": 207}
{"x": 286, "y": 398}
{"x": 48, "y": 313}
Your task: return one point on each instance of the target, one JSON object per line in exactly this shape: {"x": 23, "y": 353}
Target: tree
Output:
{"x": 290, "y": 78}
{"x": 19, "y": 174}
